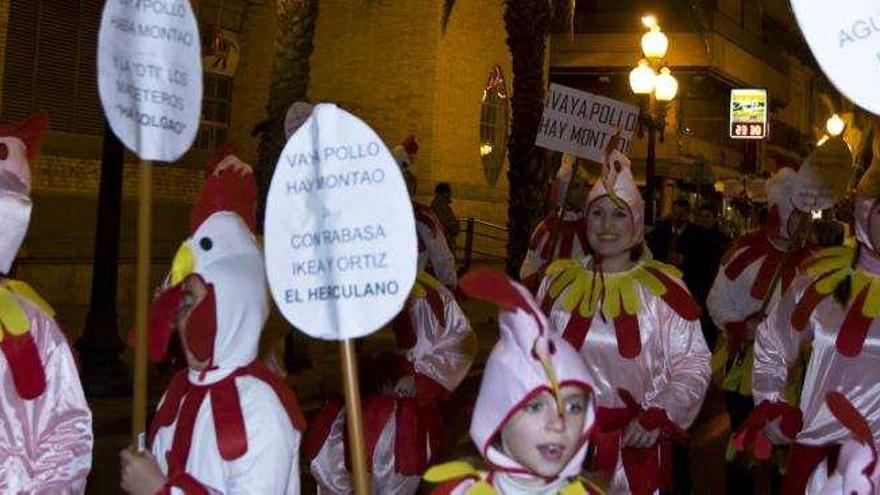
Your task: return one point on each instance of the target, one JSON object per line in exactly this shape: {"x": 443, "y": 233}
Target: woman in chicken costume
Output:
{"x": 638, "y": 331}
{"x": 563, "y": 232}
{"x": 432, "y": 239}
{"x": 226, "y": 424}
{"x": 46, "y": 439}
{"x": 403, "y": 426}
{"x": 534, "y": 414}
{"x": 834, "y": 306}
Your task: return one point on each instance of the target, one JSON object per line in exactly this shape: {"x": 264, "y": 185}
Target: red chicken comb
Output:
{"x": 497, "y": 288}
{"x": 227, "y": 188}
{"x": 31, "y": 132}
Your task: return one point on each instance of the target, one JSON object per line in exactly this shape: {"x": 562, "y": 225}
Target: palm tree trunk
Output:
{"x": 528, "y": 24}
{"x": 290, "y": 81}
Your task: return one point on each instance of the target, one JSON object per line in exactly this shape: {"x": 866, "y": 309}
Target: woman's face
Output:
{"x": 542, "y": 440}
{"x": 609, "y": 227}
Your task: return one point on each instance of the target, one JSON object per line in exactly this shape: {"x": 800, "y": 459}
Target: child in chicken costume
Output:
{"x": 226, "y": 424}
{"x": 638, "y": 331}
{"x": 833, "y": 305}
{"x": 563, "y": 232}
{"x": 432, "y": 239}
{"x": 46, "y": 438}
{"x": 534, "y": 413}
{"x": 404, "y": 426}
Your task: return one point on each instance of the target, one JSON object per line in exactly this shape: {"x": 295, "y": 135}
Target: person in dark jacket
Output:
{"x": 707, "y": 245}
{"x": 671, "y": 238}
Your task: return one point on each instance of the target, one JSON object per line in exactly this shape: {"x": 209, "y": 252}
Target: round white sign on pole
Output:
{"x": 845, "y": 38}
{"x": 340, "y": 233}
{"x": 150, "y": 75}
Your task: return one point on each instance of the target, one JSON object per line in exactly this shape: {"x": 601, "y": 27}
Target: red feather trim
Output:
{"x": 174, "y": 395}
{"x": 851, "y": 336}
{"x": 805, "y": 307}
{"x": 228, "y": 420}
{"x": 626, "y": 328}
{"x": 850, "y": 417}
{"x": 766, "y": 272}
{"x": 410, "y": 439}
{"x": 496, "y": 288}
{"x": 321, "y": 424}
{"x": 774, "y": 221}
{"x": 25, "y": 364}
{"x": 376, "y": 411}
{"x": 676, "y": 296}
{"x": 435, "y": 301}
{"x": 201, "y": 327}
{"x": 576, "y": 329}
{"x": 31, "y": 132}
{"x": 752, "y": 252}
{"x": 448, "y": 487}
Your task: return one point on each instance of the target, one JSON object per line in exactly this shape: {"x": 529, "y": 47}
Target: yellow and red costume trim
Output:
{"x": 16, "y": 341}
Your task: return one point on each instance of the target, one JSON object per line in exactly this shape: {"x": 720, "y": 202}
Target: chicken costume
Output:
{"x": 432, "y": 238}
{"x": 755, "y": 271}
{"x": 46, "y": 439}
{"x": 639, "y": 334}
{"x": 845, "y": 340}
{"x": 857, "y": 471}
{"x": 402, "y": 434}
{"x": 562, "y": 234}
{"x": 235, "y": 426}
{"x": 529, "y": 359}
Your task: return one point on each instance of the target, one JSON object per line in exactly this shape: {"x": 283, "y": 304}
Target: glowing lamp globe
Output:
{"x": 835, "y": 125}
{"x": 654, "y": 43}
{"x": 641, "y": 79}
{"x": 665, "y": 85}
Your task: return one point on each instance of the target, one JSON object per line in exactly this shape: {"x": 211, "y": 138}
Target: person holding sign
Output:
{"x": 760, "y": 267}
{"x": 226, "y": 423}
{"x": 404, "y": 425}
{"x": 535, "y": 410}
{"x": 432, "y": 239}
{"x": 563, "y": 232}
{"x": 638, "y": 331}
{"x": 46, "y": 441}
{"x": 830, "y": 306}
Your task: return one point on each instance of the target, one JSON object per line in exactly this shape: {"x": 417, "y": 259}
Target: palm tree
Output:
{"x": 290, "y": 81}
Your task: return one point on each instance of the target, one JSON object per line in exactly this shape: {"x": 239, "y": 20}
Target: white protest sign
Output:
{"x": 845, "y": 39}
{"x": 150, "y": 75}
{"x": 580, "y": 123}
{"x": 340, "y": 232}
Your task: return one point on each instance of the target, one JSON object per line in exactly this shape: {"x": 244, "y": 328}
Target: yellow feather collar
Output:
{"x": 13, "y": 317}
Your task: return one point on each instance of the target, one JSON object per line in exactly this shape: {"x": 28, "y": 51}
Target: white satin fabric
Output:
{"x": 672, "y": 372}
{"x": 328, "y": 467}
{"x": 45, "y": 443}
{"x": 534, "y": 262}
{"x": 436, "y": 258}
{"x": 850, "y": 476}
{"x": 730, "y": 300}
{"x": 442, "y": 353}
{"x": 15, "y": 217}
{"x": 776, "y": 349}
{"x": 271, "y": 464}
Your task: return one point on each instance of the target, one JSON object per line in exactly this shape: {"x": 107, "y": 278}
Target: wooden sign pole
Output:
{"x": 359, "y": 476}
{"x": 139, "y": 406}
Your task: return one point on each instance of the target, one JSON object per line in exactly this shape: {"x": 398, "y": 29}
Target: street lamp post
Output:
{"x": 654, "y": 90}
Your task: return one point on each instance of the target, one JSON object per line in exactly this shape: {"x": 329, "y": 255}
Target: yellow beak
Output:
{"x": 184, "y": 264}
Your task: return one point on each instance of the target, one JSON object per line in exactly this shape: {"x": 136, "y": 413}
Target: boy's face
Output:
{"x": 541, "y": 439}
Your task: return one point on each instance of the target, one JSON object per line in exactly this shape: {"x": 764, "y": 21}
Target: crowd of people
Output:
{"x": 603, "y": 361}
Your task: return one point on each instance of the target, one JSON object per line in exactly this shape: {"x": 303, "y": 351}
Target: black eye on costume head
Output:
{"x": 206, "y": 243}
{"x": 4, "y": 151}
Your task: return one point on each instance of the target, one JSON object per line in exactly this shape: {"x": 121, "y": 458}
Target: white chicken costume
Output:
{"x": 234, "y": 427}
{"x": 844, "y": 334}
{"x": 46, "y": 439}
{"x": 438, "y": 259}
{"x": 755, "y": 272}
{"x": 857, "y": 471}
{"x": 638, "y": 332}
{"x": 562, "y": 234}
{"x": 402, "y": 435}
{"x": 529, "y": 359}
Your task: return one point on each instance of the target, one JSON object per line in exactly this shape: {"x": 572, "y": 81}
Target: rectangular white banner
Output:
{"x": 580, "y": 123}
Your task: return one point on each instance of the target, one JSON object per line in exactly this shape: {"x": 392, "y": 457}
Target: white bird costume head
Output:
{"x": 222, "y": 251}
{"x": 617, "y": 182}
{"x": 528, "y": 360}
{"x": 818, "y": 184}
{"x": 18, "y": 145}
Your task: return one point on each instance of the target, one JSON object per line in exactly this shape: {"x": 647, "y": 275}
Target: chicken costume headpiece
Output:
{"x": 617, "y": 182}
{"x": 528, "y": 360}
{"x": 18, "y": 145}
{"x": 818, "y": 184}
{"x": 224, "y": 328}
